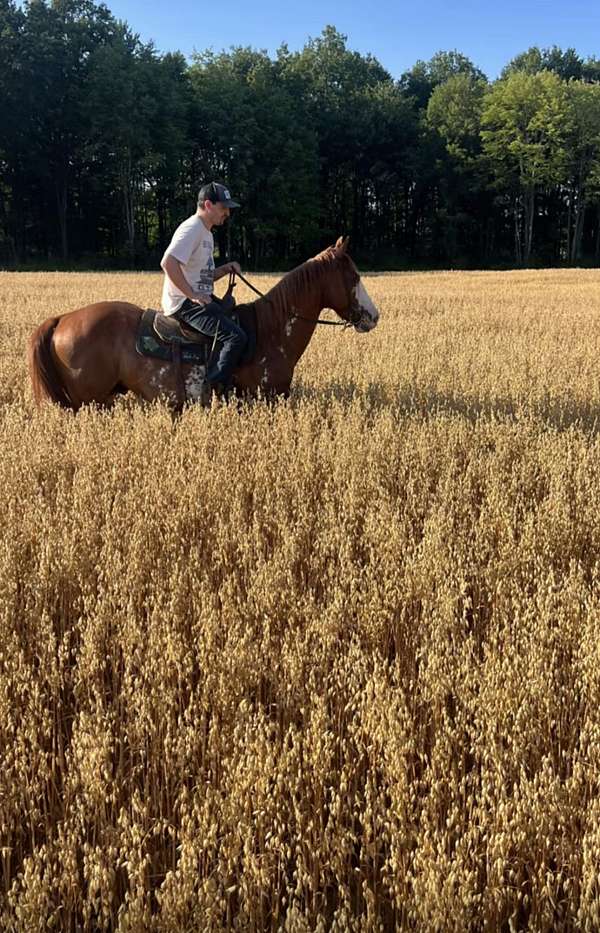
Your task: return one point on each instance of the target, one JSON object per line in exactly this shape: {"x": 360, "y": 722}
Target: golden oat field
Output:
{"x": 332, "y": 664}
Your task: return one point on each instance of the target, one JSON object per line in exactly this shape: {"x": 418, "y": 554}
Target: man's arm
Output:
{"x": 172, "y": 268}
{"x": 226, "y": 269}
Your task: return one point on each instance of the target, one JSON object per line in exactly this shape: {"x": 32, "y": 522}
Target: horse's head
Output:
{"x": 346, "y": 293}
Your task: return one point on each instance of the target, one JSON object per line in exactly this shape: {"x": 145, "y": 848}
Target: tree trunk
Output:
{"x": 9, "y": 239}
{"x": 228, "y": 238}
{"x": 569, "y": 236}
{"x": 61, "y": 204}
{"x": 518, "y": 243}
{"x": 16, "y": 217}
{"x": 413, "y": 220}
{"x": 244, "y": 253}
{"x": 129, "y": 216}
{"x": 577, "y": 228}
{"x": 161, "y": 216}
{"x": 488, "y": 240}
{"x": 128, "y": 201}
{"x": 529, "y": 212}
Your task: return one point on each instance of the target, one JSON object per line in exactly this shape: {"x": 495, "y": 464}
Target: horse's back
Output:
{"x": 105, "y": 320}
{"x": 101, "y": 315}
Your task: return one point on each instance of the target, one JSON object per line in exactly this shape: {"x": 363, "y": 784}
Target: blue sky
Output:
{"x": 397, "y": 33}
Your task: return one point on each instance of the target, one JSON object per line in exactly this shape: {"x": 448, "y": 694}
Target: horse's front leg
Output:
{"x": 268, "y": 376}
{"x": 279, "y": 392}
{"x": 276, "y": 376}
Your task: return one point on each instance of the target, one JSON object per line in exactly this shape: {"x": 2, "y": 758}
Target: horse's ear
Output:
{"x": 342, "y": 243}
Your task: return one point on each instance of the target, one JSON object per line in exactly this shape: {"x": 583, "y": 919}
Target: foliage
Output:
{"x": 584, "y": 157}
{"x": 454, "y": 110}
{"x": 255, "y": 133}
{"x": 105, "y": 143}
{"x": 567, "y": 64}
{"x": 422, "y": 79}
{"x": 526, "y": 125}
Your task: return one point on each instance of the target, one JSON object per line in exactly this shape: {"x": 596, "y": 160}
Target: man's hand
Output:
{"x": 229, "y": 267}
{"x": 226, "y": 269}
{"x": 199, "y": 299}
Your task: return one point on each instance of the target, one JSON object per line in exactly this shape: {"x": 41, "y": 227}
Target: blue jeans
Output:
{"x": 231, "y": 339}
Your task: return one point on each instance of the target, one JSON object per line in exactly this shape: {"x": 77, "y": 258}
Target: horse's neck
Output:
{"x": 294, "y": 320}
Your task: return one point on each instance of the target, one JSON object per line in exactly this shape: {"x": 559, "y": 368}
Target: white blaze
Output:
{"x": 367, "y": 308}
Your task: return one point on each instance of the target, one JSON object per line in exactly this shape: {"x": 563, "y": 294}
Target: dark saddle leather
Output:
{"x": 173, "y": 331}
{"x": 149, "y": 342}
{"x": 163, "y": 337}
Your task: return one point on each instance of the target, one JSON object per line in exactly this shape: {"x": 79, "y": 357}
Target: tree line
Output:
{"x": 104, "y": 143}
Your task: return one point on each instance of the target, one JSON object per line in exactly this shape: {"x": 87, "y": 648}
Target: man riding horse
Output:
{"x": 190, "y": 273}
{"x": 100, "y": 351}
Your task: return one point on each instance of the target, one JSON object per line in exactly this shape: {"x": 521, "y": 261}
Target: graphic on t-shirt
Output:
{"x": 206, "y": 278}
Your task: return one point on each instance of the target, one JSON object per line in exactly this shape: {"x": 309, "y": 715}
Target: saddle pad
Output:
{"x": 147, "y": 343}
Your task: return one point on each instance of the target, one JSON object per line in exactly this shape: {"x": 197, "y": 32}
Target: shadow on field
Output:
{"x": 557, "y": 413}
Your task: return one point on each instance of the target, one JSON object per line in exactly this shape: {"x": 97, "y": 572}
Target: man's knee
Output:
{"x": 236, "y": 339}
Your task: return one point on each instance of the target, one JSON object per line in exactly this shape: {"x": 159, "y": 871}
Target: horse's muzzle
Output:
{"x": 366, "y": 313}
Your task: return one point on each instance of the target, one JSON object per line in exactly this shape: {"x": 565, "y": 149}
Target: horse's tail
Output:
{"x": 45, "y": 378}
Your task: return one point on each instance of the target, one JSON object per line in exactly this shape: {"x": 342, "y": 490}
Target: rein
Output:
{"x": 293, "y": 314}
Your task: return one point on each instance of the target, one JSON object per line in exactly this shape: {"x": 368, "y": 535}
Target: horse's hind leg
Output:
{"x": 90, "y": 371}
{"x": 118, "y": 392}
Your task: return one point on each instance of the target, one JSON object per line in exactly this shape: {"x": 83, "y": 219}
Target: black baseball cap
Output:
{"x": 217, "y": 194}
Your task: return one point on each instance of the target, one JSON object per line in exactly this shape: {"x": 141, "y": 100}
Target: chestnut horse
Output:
{"x": 89, "y": 355}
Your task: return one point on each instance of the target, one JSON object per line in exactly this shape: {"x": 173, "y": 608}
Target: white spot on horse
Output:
{"x": 158, "y": 376}
{"x": 264, "y": 360}
{"x": 282, "y": 351}
{"x": 370, "y": 314}
{"x": 265, "y": 376}
{"x": 288, "y": 328}
{"x": 195, "y": 383}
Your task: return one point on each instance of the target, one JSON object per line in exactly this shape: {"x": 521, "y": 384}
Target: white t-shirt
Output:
{"x": 193, "y": 246}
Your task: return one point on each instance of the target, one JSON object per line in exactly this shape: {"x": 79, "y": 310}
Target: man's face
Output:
{"x": 217, "y": 212}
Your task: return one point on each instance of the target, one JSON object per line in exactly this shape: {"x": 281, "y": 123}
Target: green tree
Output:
{"x": 345, "y": 95}
{"x": 584, "y": 157}
{"x": 251, "y": 129}
{"x": 591, "y": 70}
{"x": 526, "y": 124}
{"x": 421, "y": 80}
{"x": 59, "y": 38}
{"x": 463, "y": 217}
{"x": 14, "y": 130}
{"x": 123, "y": 97}
{"x": 454, "y": 110}
{"x": 171, "y": 130}
{"x": 566, "y": 64}
{"x": 390, "y": 174}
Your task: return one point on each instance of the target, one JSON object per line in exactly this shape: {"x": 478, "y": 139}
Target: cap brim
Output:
{"x": 230, "y": 203}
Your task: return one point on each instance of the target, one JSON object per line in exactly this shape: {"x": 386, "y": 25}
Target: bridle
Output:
{"x": 351, "y": 322}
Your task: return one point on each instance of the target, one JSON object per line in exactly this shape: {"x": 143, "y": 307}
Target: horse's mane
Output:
{"x": 274, "y": 309}
{"x": 298, "y": 281}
